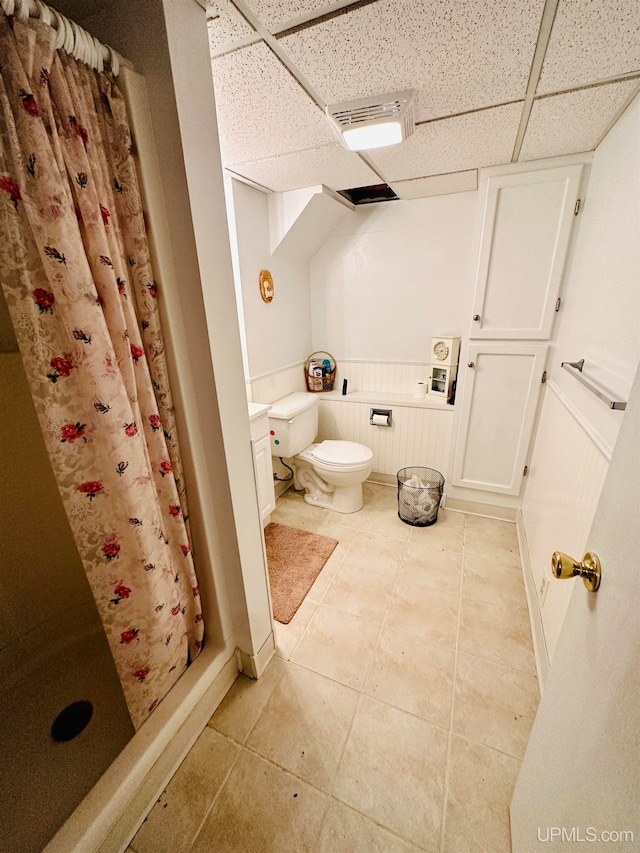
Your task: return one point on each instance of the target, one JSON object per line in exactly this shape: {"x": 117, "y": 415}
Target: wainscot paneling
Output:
{"x": 566, "y": 475}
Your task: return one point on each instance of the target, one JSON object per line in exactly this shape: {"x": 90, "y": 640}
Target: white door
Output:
{"x": 500, "y": 397}
{"x": 579, "y": 786}
{"x": 526, "y": 226}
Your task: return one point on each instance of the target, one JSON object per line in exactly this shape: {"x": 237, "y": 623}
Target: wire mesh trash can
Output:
{"x": 419, "y": 495}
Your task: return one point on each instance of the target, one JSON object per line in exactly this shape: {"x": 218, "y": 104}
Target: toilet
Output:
{"x": 330, "y": 472}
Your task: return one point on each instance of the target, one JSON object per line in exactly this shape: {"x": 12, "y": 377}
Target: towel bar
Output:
{"x": 575, "y": 369}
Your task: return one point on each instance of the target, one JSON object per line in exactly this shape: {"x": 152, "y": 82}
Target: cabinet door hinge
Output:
{"x": 576, "y": 209}
{"x": 544, "y": 377}
{"x": 526, "y": 471}
{"x": 558, "y": 303}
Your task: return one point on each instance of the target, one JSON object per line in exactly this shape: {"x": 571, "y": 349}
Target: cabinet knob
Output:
{"x": 476, "y": 318}
{"x": 471, "y": 364}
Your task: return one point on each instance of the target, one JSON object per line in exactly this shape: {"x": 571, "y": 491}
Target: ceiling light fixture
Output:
{"x": 374, "y": 122}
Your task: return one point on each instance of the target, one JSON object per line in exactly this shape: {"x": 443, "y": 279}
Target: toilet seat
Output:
{"x": 340, "y": 455}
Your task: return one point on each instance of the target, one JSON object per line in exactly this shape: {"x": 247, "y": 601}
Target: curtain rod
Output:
{"x": 70, "y": 36}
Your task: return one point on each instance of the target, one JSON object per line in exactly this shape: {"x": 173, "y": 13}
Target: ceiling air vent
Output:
{"x": 374, "y": 122}
{"x": 369, "y": 195}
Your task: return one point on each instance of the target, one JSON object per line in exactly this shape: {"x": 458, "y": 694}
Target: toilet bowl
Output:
{"x": 330, "y": 472}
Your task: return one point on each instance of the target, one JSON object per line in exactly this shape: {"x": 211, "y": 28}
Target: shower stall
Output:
{"x": 64, "y": 717}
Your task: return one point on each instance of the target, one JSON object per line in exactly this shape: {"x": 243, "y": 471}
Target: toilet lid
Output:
{"x": 342, "y": 453}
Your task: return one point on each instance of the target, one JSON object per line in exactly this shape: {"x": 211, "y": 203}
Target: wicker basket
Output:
{"x": 323, "y": 375}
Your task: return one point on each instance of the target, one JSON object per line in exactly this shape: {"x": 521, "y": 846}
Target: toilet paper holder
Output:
{"x": 380, "y": 417}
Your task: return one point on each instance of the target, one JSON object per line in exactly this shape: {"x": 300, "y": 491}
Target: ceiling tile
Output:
{"x": 458, "y": 56}
{"x": 262, "y": 111}
{"x": 277, "y": 14}
{"x": 484, "y": 138}
{"x": 591, "y": 41}
{"x": 226, "y": 26}
{"x": 332, "y": 165}
{"x": 573, "y": 122}
{"x": 458, "y": 182}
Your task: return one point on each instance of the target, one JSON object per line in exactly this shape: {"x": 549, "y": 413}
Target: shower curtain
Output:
{"x": 75, "y": 270}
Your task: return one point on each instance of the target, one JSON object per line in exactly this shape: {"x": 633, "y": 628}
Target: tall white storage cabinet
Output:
{"x": 526, "y": 226}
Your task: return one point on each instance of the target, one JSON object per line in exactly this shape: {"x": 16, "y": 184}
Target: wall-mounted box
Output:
{"x": 441, "y": 379}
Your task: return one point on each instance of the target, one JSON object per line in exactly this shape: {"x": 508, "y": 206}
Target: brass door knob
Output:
{"x": 564, "y": 566}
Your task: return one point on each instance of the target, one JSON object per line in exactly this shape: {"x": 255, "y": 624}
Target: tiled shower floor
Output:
{"x": 394, "y": 717}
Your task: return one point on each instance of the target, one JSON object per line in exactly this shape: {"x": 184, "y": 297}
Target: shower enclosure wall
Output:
{"x": 53, "y": 651}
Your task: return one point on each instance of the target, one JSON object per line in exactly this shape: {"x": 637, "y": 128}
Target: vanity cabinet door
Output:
{"x": 502, "y": 388}
{"x": 526, "y": 227}
{"x": 264, "y": 476}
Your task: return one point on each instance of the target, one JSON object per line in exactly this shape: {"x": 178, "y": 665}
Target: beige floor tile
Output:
{"x": 375, "y": 551}
{"x": 432, "y": 567}
{"x": 323, "y": 581}
{"x": 393, "y": 771}
{"x": 243, "y": 704}
{"x": 423, "y": 611}
{"x": 174, "y": 820}
{"x": 496, "y": 633}
{"x": 263, "y": 809}
{"x": 494, "y": 704}
{"x": 490, "y": 537}
{"x": 305, "y": 724}
{"x": 481, "y": 783}
{"x": 414, "y": 675}
{"x": 295, "y": 512}
{"x": 337, "y": 645}
{"x": 380, "y": 495}
{"x": 487, "y": 579}
{"x": 351, "y": 520}
{"x": 333, "y": 527}
{"x": 384, "y": 521}
{"x": 288, "y": 636}
{"x": 446, "y": 534}
{"x": 347, "y": 831}
{"x": 361, "y": 591}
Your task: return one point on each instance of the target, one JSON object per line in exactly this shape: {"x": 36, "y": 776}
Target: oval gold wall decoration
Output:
{"x": 266, "y": 285}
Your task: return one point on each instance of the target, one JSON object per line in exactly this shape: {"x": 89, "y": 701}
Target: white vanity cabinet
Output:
{"x": 526, "y": 227}
{"x": 262, "y": 467}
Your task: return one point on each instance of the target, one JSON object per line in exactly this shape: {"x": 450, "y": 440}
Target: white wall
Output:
{"x": 277, "y": 333}
{"x": 599, "y": 320}
{"x": 41, "y": 574}
{"x": 391, "y": 275}
{"x": 600, "y": 317}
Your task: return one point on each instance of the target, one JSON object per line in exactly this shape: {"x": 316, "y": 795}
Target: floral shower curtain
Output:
{"x": 74, "y": 267}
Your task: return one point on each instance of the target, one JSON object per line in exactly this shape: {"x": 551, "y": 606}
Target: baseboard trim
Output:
{"x": 113, "y": 811}
{"x": 254, "y": 665}
{"x": 535, "y": 616}
{"x": 502, "y": 513}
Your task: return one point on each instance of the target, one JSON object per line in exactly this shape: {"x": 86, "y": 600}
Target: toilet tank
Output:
{"x": 293, "y": 423}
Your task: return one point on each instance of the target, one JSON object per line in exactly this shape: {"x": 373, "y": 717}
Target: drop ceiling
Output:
{"x": 495, "y": 81}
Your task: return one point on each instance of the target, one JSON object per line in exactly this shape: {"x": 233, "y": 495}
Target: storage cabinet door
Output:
{"x": 525, "y": 237}
{"x": 264, "y": 476}
{"x": 497, "y": 414}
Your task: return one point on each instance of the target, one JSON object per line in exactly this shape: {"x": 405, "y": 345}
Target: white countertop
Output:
{"x": 257, "y": 409}
{"x": 382, "y": 398}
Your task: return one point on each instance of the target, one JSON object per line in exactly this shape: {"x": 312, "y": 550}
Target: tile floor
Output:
{"x": 396, "y": 713}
